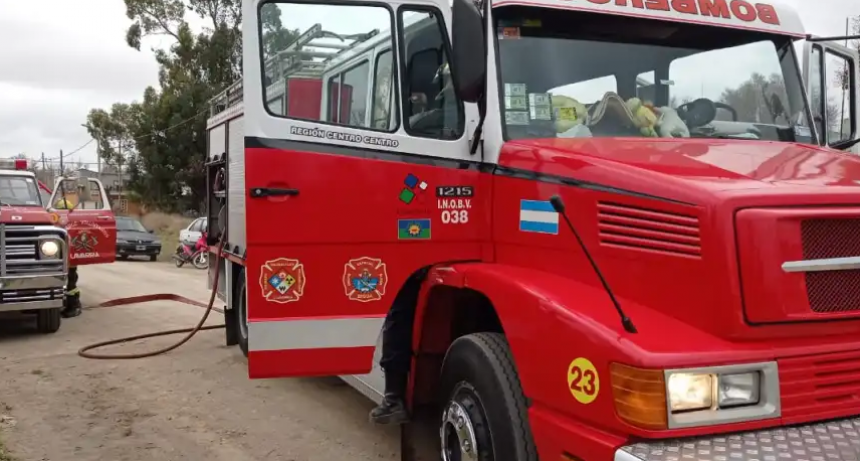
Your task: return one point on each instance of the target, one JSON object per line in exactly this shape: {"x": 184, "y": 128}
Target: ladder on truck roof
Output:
{"x": 296, "y": 60}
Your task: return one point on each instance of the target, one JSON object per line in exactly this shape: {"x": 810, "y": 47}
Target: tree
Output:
{"x": 763, "y": 100}
{"x": 275, "y": 36}
{"x": 164, "y": 134}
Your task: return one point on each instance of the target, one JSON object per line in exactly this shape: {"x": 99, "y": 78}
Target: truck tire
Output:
{"x": 241, "y": 312}
{"x": 48, "y": 320}
{"x": 484, "y": 414}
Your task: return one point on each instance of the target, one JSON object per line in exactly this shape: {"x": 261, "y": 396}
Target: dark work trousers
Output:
{"x": 73, "y": 293}
{"x": 397, "y": 329}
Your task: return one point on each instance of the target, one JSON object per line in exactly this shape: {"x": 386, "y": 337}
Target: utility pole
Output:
{"x": 98, "y": 160}
{"x": 119, "y": 163}
{"x": 61, "y": 162}
{"x": 44, "y": 165}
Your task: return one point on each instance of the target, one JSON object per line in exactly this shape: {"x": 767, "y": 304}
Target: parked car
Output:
{"x": 191, "y": 234}
{"x": 132, "y": 239}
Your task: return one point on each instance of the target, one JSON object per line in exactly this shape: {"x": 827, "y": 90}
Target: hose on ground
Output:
{"x": 85, "y": 351}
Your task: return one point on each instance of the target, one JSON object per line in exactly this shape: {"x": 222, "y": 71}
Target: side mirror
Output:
{"x": 151, "y": 231}
{"x": 469, "y": 55}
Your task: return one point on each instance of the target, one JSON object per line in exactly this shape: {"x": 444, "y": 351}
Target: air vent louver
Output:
{"x": 635, "y": 228}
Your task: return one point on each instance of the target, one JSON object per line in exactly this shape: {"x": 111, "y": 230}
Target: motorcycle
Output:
{"x": 198, "y": 256}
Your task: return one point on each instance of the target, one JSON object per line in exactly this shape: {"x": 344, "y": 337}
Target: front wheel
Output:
{"x": 241, "y": 312}
{"x": 484, "y": 416}
{"x": 48, "y": 320}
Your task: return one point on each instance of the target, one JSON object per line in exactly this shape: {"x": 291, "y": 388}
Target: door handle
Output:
{"x": 104, "y": 218}
{"x": 257, "y": 192}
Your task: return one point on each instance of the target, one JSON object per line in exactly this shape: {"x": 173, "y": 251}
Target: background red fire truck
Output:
{"x": 42, "y": 244}
{"x": 33, "y": 265}
{"x": 615, "y": 259}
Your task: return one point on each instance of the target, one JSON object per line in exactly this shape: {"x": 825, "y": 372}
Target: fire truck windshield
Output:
{"x": 19, "y": 191}
{"x": 572, "y": 74}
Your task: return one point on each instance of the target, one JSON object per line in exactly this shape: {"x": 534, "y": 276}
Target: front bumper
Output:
{"x": 137, "y": 249}
{"x": 836, "y": 440}
{"x": 21, "y": 293}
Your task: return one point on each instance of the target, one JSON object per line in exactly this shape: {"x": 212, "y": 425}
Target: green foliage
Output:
{"x": 275, "y": 36}
{"x": 160, "y": 140}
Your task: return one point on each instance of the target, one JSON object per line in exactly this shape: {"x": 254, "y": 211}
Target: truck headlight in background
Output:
{"x": 670, "y": 399}
{"x": 49, "y": 248}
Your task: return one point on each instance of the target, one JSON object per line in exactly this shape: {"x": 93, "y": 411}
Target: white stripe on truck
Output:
{"x": 329, "y": 333}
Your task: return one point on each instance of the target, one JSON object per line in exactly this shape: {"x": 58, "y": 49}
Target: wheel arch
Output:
{"x": 525, "y": 306}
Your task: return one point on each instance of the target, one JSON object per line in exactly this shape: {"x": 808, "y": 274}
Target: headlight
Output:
{"x": 671, "y": 399}
{"x": 739, "y": 389}
{"x": 49, "y": 248}
{"x": 121, "y": 241}
{"x": 690, "y": 391}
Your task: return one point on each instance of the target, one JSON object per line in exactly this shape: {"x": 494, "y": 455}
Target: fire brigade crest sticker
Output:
{"x": 364, "y": 279}
{"x": 282, "y": 280}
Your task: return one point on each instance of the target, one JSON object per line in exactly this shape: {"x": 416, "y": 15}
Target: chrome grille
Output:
{"x": 20, "y": 256}
{"x": 24, "y": 296}
{"x": 832, "y": 291}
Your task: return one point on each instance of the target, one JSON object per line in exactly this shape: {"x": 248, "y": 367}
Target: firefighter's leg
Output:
{"x": 397, "y": 357}
{"x": 72, "y": 306}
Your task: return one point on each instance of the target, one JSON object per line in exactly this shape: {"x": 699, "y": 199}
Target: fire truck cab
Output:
{"x": 33, "y": 249}
{"x": 615, "y": 229}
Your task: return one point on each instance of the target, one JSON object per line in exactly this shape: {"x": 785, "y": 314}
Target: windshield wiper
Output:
{"x": 842, "y": 145}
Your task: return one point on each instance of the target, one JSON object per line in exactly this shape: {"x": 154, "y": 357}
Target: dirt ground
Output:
{"x": 194, "y": 403}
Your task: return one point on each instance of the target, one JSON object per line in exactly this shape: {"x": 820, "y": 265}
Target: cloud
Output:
{"x": 61, "y": 58}
{"x": 57, "y": 63}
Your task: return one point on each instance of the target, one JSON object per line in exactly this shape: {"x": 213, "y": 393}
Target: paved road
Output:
{"x": 194, "y": 403}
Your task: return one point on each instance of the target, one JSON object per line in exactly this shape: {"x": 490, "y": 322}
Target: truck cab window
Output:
{"x": 816, "y": 91}
{"x": 19, "y": 191}
{"x": 675, "y": 83}
{"x": 430, "y": 107}
{"x": 317, "y": 61}
{"x": 79, "y": 194}
{"x": 838, "y": 107}
{"x": 383, "y": 89}
{"x": 348, "y": 96}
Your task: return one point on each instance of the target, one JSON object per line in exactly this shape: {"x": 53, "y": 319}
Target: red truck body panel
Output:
{"x": 542, "y": 286}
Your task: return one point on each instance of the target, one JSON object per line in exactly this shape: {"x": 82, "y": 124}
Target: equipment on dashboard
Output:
{"x": 698, "y": 113}
{"x": 612, "y": 117}
{"x": 643, "y": 116}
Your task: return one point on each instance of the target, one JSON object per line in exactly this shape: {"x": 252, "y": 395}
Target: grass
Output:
{"x": 167, "y": 229}
{"x": 4, "y": 453}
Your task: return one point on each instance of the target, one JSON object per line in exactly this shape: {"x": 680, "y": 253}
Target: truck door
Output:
{"x": 82, "y": 207}
{"x": 831, "y": 75}
{"x": 342, "y": 208}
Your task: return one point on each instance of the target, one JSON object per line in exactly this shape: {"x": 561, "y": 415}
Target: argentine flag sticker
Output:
{"x": 538, "y": 216}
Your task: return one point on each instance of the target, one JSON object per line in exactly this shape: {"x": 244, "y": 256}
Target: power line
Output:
{"x": 153, "y": 133}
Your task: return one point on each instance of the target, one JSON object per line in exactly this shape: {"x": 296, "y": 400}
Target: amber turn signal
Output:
{"x": 640, "y": 396}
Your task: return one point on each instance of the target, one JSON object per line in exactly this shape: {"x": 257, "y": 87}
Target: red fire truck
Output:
{"x": 32, "y": 249}
{"x": 639, "y": 235}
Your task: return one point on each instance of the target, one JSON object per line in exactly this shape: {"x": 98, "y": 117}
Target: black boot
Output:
{"x": 72, "y": 307}
{"x": 392, "y": 410}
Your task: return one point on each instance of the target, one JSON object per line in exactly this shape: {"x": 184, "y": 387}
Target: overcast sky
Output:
{"x": 64, "y": 58}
